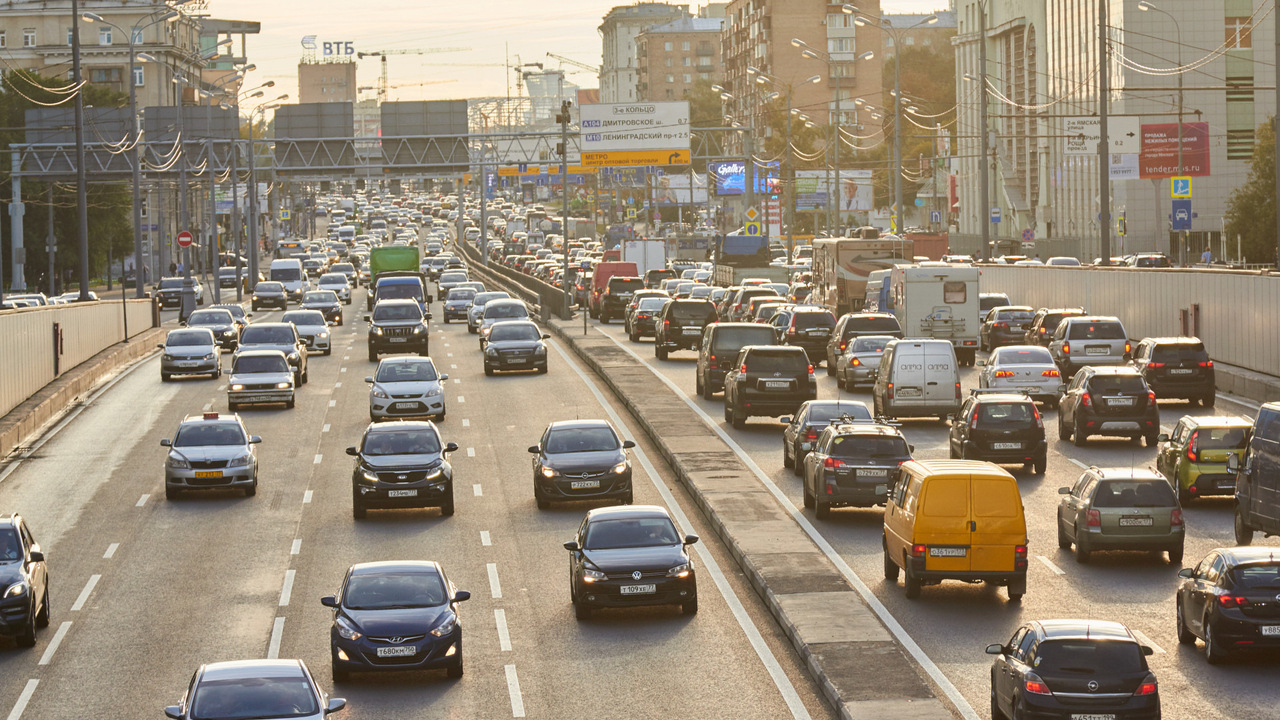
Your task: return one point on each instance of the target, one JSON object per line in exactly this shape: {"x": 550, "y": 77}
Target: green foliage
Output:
{"x": 928, "y": 81}
{"x": 1251, "y": 209}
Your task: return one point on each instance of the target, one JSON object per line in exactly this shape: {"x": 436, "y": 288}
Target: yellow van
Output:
{"x": 955, "y": 520}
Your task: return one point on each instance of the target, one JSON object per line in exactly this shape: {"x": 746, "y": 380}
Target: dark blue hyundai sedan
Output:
{"x": 396, "y": 616}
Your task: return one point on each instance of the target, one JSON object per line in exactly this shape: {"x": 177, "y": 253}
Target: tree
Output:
{"x": 928, "y": 81}
{"x": 1251, "y": 209}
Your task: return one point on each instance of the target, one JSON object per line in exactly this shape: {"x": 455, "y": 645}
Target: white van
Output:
{"x": 938, "y": 302}
{"x": 917, "y": 377}
{"x": 347, "y": 233}
{"x": 289, "y": 272}
{"x": 877, "y": 293}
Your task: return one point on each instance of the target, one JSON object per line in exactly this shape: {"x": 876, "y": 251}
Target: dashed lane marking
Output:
{"x": 23, "y": 699}
{"x": 1142, "y": 638}
{"x": 325, "y": 429}
{"x": 47, "y": 657}
{"x": 504, "y": 636}
{"x": 111, "y": 551}
{"x": 495, "y": 587}
{"x": 471, "y": 452}
{"x": 484, "y": 538}
{"x": 466, "y": 422}
{"x": 286, "y": 592}
{"x": 143, "y": 500}
{"x": 273, "y": 647}
{"x": 477, "y": 490}
{"x": 297, "y": 546}
{"x": 317, "y": 459}
{"x": 333, "y": 403}
{"x": 306, "y": 496}
{"x": 84, "y": 594}
{"x": 513, "y": 689}
{"x": 1049, "y": 564}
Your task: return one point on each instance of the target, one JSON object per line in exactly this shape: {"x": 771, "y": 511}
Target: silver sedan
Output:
{"x": 406, "y": 387}
{"x": 1022, "y": 368}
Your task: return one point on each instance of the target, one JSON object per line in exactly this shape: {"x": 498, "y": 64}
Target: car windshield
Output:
{"x": 286, "y": 274}
{"x": 261, "y": 364}
{"x": 771, "y": 361}
{"x": 320, "y": 296}
{"x": 401, "y": 442}
{"x": 235, "y": 310}
{"x": 652, "y": 303}
{"x": 869, "y": 344}
{"x": 344, "y": 268}
{"x": 394, "y": 591}
{"x": 226, "y": 272}
{"x": 206, "y": 433}
{"x": 259, "y": 335}
{"x": 1021, "y": 356}
{"x": 166, "y": 283}
{"x": 813, "y": 321}
{"x": 1221, "y": 438}
{"x": 576, "y": 440}
{"x": 1118, "y": 385}
{"x": 510, "y": 332}
{"x": 452, "y": 277}
{"x": 1181, "y": 353}
{"x": 396, "y": 312}
{"x": 1017, "y": 316}
{"x": 505, "y": 310}
{"x": 1017, "y": 413}
{"x": 187, "y": 339}
{"x": 400, "y": 291}
{"x": 268, "y": 287}
{"x": 257, "y": 697}
{"x": 1112, "y": 658}
{"x": 1133, "y": 493}
{"x": 209, "y": 317}
{"x": 868, "y": 447}
{"x": 733, "y": 338}
{"x": 333, "y": 279}
{"x": 1256, "y": 577}
{"x": 461, "y": 294}
{"x": 824, "y": 412}
{"x": 1096, "y": 331}
{"x": 303, "y": 317}
{"x": 633, "y": 533}
{"x": 419, "y": 371}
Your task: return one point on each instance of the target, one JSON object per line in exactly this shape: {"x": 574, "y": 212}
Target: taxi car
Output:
{"x": 210, "y": 452}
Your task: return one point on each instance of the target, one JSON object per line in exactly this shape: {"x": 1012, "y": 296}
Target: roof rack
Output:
{"x": 847, "y": 419}
{"x": 997, "y": 391}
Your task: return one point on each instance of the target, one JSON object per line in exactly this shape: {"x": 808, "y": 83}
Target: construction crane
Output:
{"x": 382, "y": 82}
{"x": 401, "y": 85}
{"x": 583, "y": 66}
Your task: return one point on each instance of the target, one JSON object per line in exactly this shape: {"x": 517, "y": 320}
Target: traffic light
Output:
{"x": 560, "y": 149}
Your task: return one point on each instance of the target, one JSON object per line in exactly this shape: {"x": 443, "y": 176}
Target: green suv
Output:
{"x": 1194, "y": 456}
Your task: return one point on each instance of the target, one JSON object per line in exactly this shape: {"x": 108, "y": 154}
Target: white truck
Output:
{"x": 646, "y": 254}
{"x": 939, "y": 303}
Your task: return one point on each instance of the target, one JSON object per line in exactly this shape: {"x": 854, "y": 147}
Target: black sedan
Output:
{"x": 221, "y": 322}
{"x": 810, "y": 420}
{"x": 401, "y": 464}
{"x": 581, "y": 460}
{"x": 1231, "y": 600}
{"x": 516, "y": 345}
{"x": 258, "y": 689}
{"x": 395, "y": 616}
{"x": 327, "y": 302}
{"x": 24, "y": 602}
{"x": 269, "y": 294}
{"x": 629, "y": 556}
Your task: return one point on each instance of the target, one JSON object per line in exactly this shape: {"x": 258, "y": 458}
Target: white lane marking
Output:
{"x": 208, "y": 406}
{"x": 273, "y": 647}
{"x": 485, "y": 540}
{"x": 23, "y": 699}
{"x": 513, "y": 689}
{"x": 143, "y": 500}
{"x": 466, "y": 422}
{"x": 318, "y": 459}
{"x": 477, "y": 490}
{"x": 222, "y": 387}
{"x": 333, "y": 403}
{"x": 297, "y": 546}
{"x": 1049, "y": 564}
{"x": 461, "y": 399}
{"x": 337, "y": 384}
{"x": 453, "y": 367}
{"x": 346, "y": 357}
{"x": 47, "y": 657}
{"x": 504, "y": 636}
{"x": 1142, "y": 638}
{"x": 306, "y": 497}
{"x": 111, "y": 551}
{"x": 344, "y": 369}
{"x": 457, "y": 381}
{"x": 495, "y": 587}
{"x": 325, "y": 428}
{"x": 84, "y": 594}
{"x": 471, "y": 452}
{"x": 446, "y": 344}
{"x": 1078, "y": 464}
{"x": 449, "y": 354}
{"x": 286, "y": 592}
{"x": 709, "y": 564}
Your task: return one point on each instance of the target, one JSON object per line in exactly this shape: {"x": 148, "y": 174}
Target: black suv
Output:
{"x": 401, "y": 464}
{"x": 1005, "y": 325}
{"x": 1002, "y": 428}
{"x": 853, "y": 465}
{"x": 1045, "y": 321}
{"x": 398, "y": 326}
{"x": 720, "y": 345}
{"x": 1177, "y": 367}
{"x": 767, "y": 380}
{"x": 617, "y": 293}
{"x": 22, "y": 566}
{"x": 1065, "y": 668}
{"x": 680, "y": 324}
{"x": 852, "y": 325}
{"x": 810, "y": 328}
{"x": 1108, "y": 400}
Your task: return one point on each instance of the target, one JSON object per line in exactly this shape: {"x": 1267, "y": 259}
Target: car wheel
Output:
{"x": 1063, "y": 432}
{"x": 542, "y": 370}
{"x": 1185, "y": 636}
{"x": 1041, "y": 464}
{"x": 1243, "y": 533}
{"x": 252, "y": 489}
{"x": 809, "y": 501}
{"x": 1175, "y": 555}
{"x": 233, "y": 407}
{"x": 171, "y": 493}
{"x": 660, "y": 351}
{"x": 254, "y": 307}
{"x": 739, "y": 420}
{"x": 288, "y": 404}
{"x": 27, "y": 636}
{"x": 995, "y": 705}
{"x": 1208, "y": 400}
{"x": 42, "y": 617}
{"x": 628, "y": 499}
{"x": 446, "y": 319}
{"x": 822, "y": 510}
{"x": 788, "y": 461}
{"x": 831, "y": 368}
{"x": 581, "y": 610}
{"x": 891, "y": 569}
{"x": 1214, "y": 653}
{"x": 1082, "y": 550}
{"x": 454, "y": 671}
{"x": 446, "y": 509}
{"x": 697, "y": 383}
{"x": 358, "y": 511}
{"x": 1064, "y": 542}
{"x": 912, "y": 585}
{"x": 488, "y": 370}
{"x": 1016, "y": 590}
{"x": 708, "y": 393}
{"x": 1152, "y": 440}
{"x": 1078, "y": 435}
{"x": 690, "y": 607}
{"x": 373, "y": 355}
{"x": 164, "y": 377}
{"x": 728, "y": 414}
{"x": 632, "y": 336}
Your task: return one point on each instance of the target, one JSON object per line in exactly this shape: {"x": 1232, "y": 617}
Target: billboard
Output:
{"x": 673, "y": 190}
{"x": 1159, "y": 154}
{"x": 855, "y": 190}
{"x": 731, "y": 177}
{"x": 620, "y": 134}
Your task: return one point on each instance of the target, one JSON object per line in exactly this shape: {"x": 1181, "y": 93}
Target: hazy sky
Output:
{"x": 489, "y": 28}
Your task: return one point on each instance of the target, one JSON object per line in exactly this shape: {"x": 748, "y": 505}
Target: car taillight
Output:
{"x": 1148, "y": 686}
{"x": 1233, "y": 601}
{"x": 1020, "y": 557}
{"x": 1000, "y": 325}
{"x": 890, "y": 391}
{"x": 1154, "y": 365}
{"x": 1207, "y": 364}
{"x": 973, "y": 423}
{"x": 1093, "y": 518}
{"x": 1066, "y": 348}
{"x": 1151, "y": 397}
{"x": 917, "y": 551}
{"x": 843, "y": 345}
{"x": 665, "y": 323}
{"x": 810, "y": 369}
{"x": 957, "y": 392}
{"x": 1004, "y": 373}
{"x": 1191, "y": 447}
{"x": 812, "y": 434}
{"x": 854, "y": 362}
{"x": 831, "y": 463}
{"x": 1085, "y": 399}
{"x": 1050, "y": 373}
{"x": 713, "y": 358}
{"x": 1039, "y": 420}
{"x": 1127, "y": 348}
{"x": 743, "y": 369}
{"x": 1036, "y": 686}
{"x": 1041, "y": 331}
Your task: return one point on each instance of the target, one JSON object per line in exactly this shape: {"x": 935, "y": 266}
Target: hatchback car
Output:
{"x": 999, "y": 427}
{"x": 1230, "y": 601}
{"x": 810, "y": 420}
{"x": 1108, "y": 401}
{"x": 1022, "y": 368}
{"x": 325, "y": 302}
{"x": 259, "y": 689}
{"x": 581, "y": 460}
{"x": 1005, "y": 325}
{"x": 210, "y": 452}
{"x": 448, "y": 280}
{"x": 190, "y": 351}
{"x": 515, "y": 345}
{"x": 630, "y": 556}
{"x": 1194, "y": 455}
{"x": 278, "y": 336}
{"x": 1073, "y": 669}
{"x": 221, "y": 322}
{"x": 339, "y": 283}
{"x": 395, "y": 616}
{"x": 1120, "y": 509}
{"x": 476, "y": 310}
{"x": 406, "y": 387}
{"x": 401, "y": 464}
{"x": 642, "y": 316}
{"x": 312, "y": 328}
{"x": 1177, "y": 367}
{"x": 24, "y": 605}
{"x": 260, "y": 377}
{"x": 269, "y": 294}
{"x": 860, "y": 361}
{"x": 853, "y": 465}
{"x": 1089, "y": 340}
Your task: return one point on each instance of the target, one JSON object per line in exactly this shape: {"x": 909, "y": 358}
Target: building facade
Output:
{"x": 327, "y": 82}
{"x": 619, "y": 73}
{"x": 673, "y": 57}
{"x": 917, "y": 33}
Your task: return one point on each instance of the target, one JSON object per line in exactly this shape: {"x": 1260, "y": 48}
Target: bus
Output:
{"x": 290, "y": 248}
{"x": 841, "y": 267}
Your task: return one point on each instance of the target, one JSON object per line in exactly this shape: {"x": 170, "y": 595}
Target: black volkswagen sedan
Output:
{"x": 24, "y": 602}
{"x": 516, "y": 345}
{"x": 401, "y": 464}
{"x": 395, "y": 616}
{"x": 629, "y": 556}
{"x": 581, "y": 460}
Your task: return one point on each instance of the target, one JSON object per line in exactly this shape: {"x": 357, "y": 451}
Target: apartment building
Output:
{"x": 673, "y": 57}
{"x": 619, "y": 71}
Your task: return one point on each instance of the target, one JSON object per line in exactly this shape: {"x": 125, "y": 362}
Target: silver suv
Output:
{"x": 1089, "y": 340}
{"x": 211, "y": 451}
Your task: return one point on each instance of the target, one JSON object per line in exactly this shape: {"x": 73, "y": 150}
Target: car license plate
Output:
{"x": 398, "y": 340}
{"x": 584, "y": 484}
{"x": 402, "y": 493}
{"x": 1271, "y": 630}
{"x": 908, "y": 392}
{"x": 777, "y": 384}
{"x": 873, "y": 473}
{"x": 1097, "y": 351}
{"x": 406, "y": 405}
{"x": 209, "y": 474}
{"x": 1136, "y": 521}
{"x": 516, "y": 361}
{"x": 947, "y": 552}
{"x": 1093, "y": 716}
{"x": 638, "y": 589}
{"x": 1181, "y": 371}
{"x": 398, "y": 651}
{"x": 1120, "y": 402}
{"x": 691, "y": 331}
{"x": 1006, "y": 446}
{"x": 186, "y": 364}
{"x": 1226, "y": 484}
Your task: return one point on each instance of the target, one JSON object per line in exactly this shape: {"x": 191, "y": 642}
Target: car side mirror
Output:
{"x": 1163, "y": 437}
{"x": 1147, "y": 651}
{"x": 572, "y": 546}
{"x": 995, "y": 649}
{"x": 546, "y": 336}
{"x": 785, "y": 420}
{"x": 35, "y": 556}
{"x": 1233, "y": 463}
{"x": 335, "y": 704}
{"x": 533, "y": 449}
{"x": 166, "y": 442}
{"x": 173, "y": 711}
{"x": 331, "y": 324}
{"x": 1186, "y": 573}
{"x": 628, "y": 444}
{"x": 329, "y": 601}
{"x": 461, "y": 595}
{"x": 353, "y": 450}
{"x": 444, "y": 377}
{"x": 981, "y": 363}
{"x": 451, "y": 447}
{"x": 369, "y": 379}
{"x": 911, "y": 448}
{"x": 690, "y": 539}
{"x": 427, "y": 316}
{"x": 366, "y": 318}
{"x": 255, "y": 439}
{"x": 248, "y": 315}
{"x": 1064, "y": 491}
{"x": 1062, "y": 389}
{"x": 160, "y": 345}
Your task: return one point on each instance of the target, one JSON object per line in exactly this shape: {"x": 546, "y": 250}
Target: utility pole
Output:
{"x": 235, "y": 214}
{"x": 563, "y": 119}
{"x": 1104, "y": 143}
{"x": 82, "y": 200}
{"x": 984, "y": 215}
{"x": 1275, "y": 132}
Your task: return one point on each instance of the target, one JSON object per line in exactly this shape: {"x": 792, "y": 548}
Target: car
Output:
{"x": 680, "y": 324}
{"x": 721, "y": 342}
{"x": 1194, "y": 455}
{"x": 581, "y": 460}
{"x": 457, "y": 302}
{"x": 269, "y": 294}
{"x": 1228, "y": 600}
{"x": 221, "y": 322}
{"x": 498, "y": 311}
{"x": 852, "y": 325}
{"x": 227, "y": 276}
{"x": 617, "y": 293}
{"x": 990, "y": 300}
{"x": 326, "y": 302}
{"x": 1045, "y": 321}
{"x": 314, "y": 267}
{"x": 395, "y": 616}
{"x": 210, "y": 452}
{"x": 859, "y": 362}
{"x": 339, "y": 283}
{"x": 636, "y": 297}
{"x": 1149, "y": 260}
{"x": 1063, "y": 261}
{"x": 398, "y": 326}
{"x": 852, "y": 464}
{"x": 810, "y": 328}
{"x": 259, "y": 689}
{"x": 1089, "y": 340}
{"x": 448, "y": 279}
{"x": 1177, "y": 367}
{"x": 168, "y": 292}
{"x": 1005, "y": 325}
{"x": 630, "y": 556}
{"x": 24, "y": 575}
{"x": 1120, "y": 509}
{"x": 280, "y": 336}
{"x": 238, "y": 314}
{"x": 312, "y": 328}
{"x": 769, "y": 380}
{"x": 1023, "y": 368}
{"x": 475, "y": 311}
{"x": 401, "y": 464}
{"x": 802, "y": 430}
{"x": 348, "y": 271}
{"x": 1108, "y": 401}
{"x": 515, "y": 345}
{"x": 190, "y": 351}
{"x": 406, "y": 387}
{"x": 1059, "y": 668}
{"x": 917, "y": 377}
{"x": 999, "y": 427}
{"x": 642, "y": 315}
{"x": 260, "y": 377}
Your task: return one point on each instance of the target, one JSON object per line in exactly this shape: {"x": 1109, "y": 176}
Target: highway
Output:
{"x": 145, "y": 590}
{"x": 953, "y": 622}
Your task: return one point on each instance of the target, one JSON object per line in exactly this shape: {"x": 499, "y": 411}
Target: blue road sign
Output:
{"x": 935, "y": 217}
{"x": 522, "y": 167}
{"x": 1182, "y": 215}
{"x": 995, "y": 214}
{"x": 1180, "y": 187}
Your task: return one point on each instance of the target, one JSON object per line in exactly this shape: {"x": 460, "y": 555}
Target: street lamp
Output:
{"x": 763, "y": 79}
{"x": 1149, "y": 7}
{"x": 253, "y": 185}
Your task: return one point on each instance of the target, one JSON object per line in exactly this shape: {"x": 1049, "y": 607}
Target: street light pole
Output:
{"x": 1147, "y": 6}
{"x": 82, "y": 201}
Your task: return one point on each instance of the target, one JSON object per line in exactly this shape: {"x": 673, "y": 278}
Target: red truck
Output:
{"x": 600, "y": 280}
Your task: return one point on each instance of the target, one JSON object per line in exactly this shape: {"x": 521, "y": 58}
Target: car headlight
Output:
{"x": 621, "y": 468}
{"x": 548, "y": 472}
{"x": 375, "y": 330}
{"x": 540, "y": 350}
{"x": 16, "y": 590}
{"x": 491, "y": 351}
{"x": 485, "y": 331}
{"x": 436, "y": 474}
{"x": 208, "y": 357}
{"x": 679, "y": 571}
{"x": 239, "y": 387}
{"x": 281, "y": 385}
{"x": 228, "y": 333}
{"x": 589, "y": 575}
{"x": 419, "y": 330}
{"x": 369, "y": 475}
{"x": 447, "y": 626}
{"x": 322, "y": 335}
{"x": 346, "y": 630}
{"x": 293, "y": 357}
{"x": 379, "y": 392}
{"x": 242, "y": 461}
{"x": 168, "y": 357}
{"x": 253, "y": 297}
{"x": 178, "y": 463}
{"x": 433, "y": 392}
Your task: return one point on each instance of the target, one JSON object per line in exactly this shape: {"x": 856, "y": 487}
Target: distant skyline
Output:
{"x": 494, "y": 30}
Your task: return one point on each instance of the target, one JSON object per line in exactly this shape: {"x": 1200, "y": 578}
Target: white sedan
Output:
{"x": 338, "y": 283}
{"x": 1022, "y": 368}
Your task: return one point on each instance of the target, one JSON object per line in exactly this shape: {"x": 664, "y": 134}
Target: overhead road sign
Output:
{"x": 635, "y": 134}
{"x": 634, "y": 157}
{"x": 1124, "y": 135}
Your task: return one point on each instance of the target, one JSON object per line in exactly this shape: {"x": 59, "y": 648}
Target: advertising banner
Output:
{"x": 1159, "y": 156}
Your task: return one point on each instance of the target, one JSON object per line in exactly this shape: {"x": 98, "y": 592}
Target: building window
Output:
{"x": 670, "y": 61}
{"x": 840, "y": 45}
{"x": 671, "y": 78}
{"x": 687, "y": 61}
{"x": 688, "y": 78}
{"x": 909, "y": 41}
{"x": 70, "y": 33}
{"x": 685, "y": 46}
{"x": 668, "y": 46}
{"x": 888, "y": 42}
{"x": 840, "y": 20}
{"x": 104, "y": 76}
{"x": 704, "y": 61}
{"x": 4, "y": 39}
{"x": 104, "y": 36}
{"x": 139, "y": 78}
{"x": 137, "y": 36}
{"x": 1238, "y": 35}
{"x": 670, "y": 94}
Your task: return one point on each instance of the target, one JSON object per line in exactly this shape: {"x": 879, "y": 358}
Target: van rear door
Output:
{"x": 942, "y": 523}
{"x": 908, "y": 376}
{"x": 939, "y": 374}
{"x": 997, "y": 523}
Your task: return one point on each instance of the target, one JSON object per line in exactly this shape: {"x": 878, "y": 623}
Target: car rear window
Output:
{"x": 1096, "y": 331}
{"x": 1220, "y": 438}
{"x": 869, "y": 344}
{"x": 1015, "y": 315}
{"x": 1256, "y": 577}
{"x": 1088, "y": 657}
{"x": 868, "y": 447}
{"x": 826, "y": 412}
{"x": 1030, "y": 356}
{"x": 691, "y": 311}
{"x": 261, "y": 364}
{"x": 1117, "y": 385}
{"x": 872, "y": 325}
{"x": 625, "y": 284}
{"x": 768, "y": 361}
{"x": 734, "y": 338}
{"x": 1179, "y": 353}
{"x": 1016, "y": 413}
{"x": 1133, "y": 493}
{"x": 812, "y": 320}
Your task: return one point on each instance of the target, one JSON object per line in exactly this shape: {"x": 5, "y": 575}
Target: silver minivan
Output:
{"x": 917, "y": 377}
